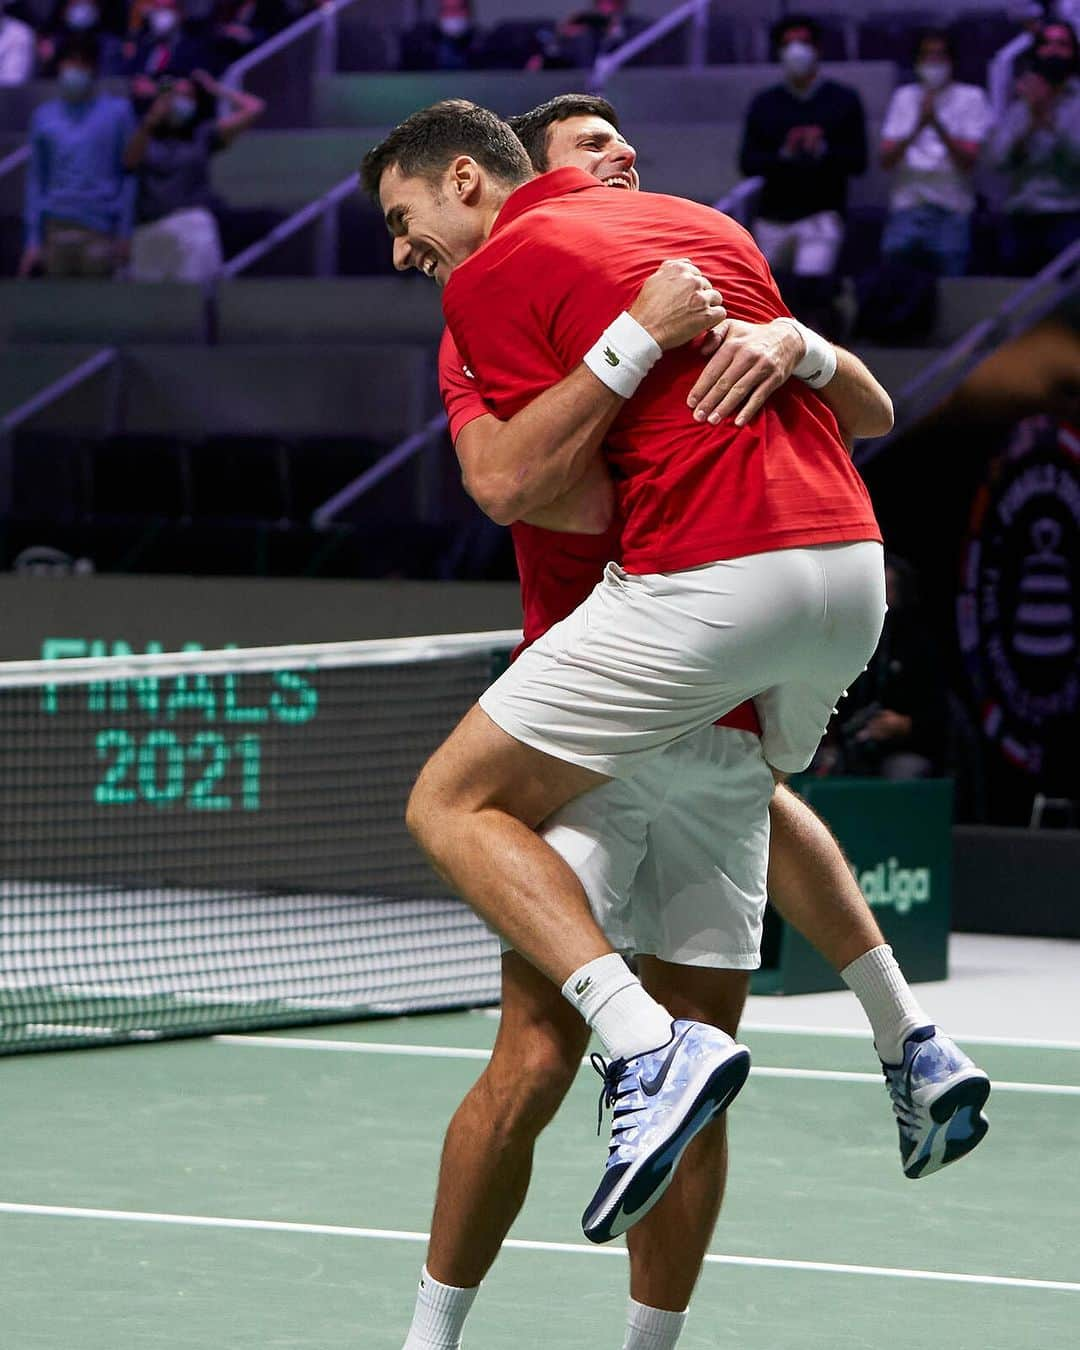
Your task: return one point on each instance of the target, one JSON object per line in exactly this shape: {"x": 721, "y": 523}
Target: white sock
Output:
{"x": 652, "y": 1328}
{"x": 892, "y": 1009}
{"x": 609, "y": 996}
{"x": 441, "y": 1310}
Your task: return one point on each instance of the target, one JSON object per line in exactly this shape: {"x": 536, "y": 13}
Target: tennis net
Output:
{"x": 215, "y": 841}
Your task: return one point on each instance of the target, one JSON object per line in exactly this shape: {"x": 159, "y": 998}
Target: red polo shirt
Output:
{"x": 564, "y": 257}
{"x": 557, "y": 570}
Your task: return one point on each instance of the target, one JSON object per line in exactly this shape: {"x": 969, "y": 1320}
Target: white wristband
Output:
{"x": 818, "y": 364}
{"x": 623, "y": 355}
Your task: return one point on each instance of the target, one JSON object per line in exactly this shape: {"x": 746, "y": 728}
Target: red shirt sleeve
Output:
{"x": 507, "y": 345}
{"x": 461, "y": 398}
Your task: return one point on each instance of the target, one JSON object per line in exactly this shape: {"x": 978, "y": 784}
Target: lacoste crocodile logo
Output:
{"x": 610, "y": 357}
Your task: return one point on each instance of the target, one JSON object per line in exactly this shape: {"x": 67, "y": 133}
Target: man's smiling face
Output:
{"x": 433, "y": 226}
{"x": 592, "y": 143}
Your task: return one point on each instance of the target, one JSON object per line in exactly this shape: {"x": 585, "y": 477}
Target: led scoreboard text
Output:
{"x": 190, "y": 742}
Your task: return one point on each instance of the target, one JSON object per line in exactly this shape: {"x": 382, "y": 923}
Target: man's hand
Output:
{"x": 814, "y": 140}
{"x": 748, "y": 362}
{"x": 28, "y": 263}
{"x": 677, "y": 304}
{"x": 886, "y": 725}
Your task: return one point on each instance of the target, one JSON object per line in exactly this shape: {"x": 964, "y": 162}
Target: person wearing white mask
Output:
{"x": 932, "y": 136}
{"x": 177, "y": 238}
{"x": 16, "y": 49}
{"x": 160, "y": 45}
{"x": 805, "y": 137}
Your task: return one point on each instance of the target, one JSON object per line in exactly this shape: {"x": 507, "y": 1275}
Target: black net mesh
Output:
{"x": 209, "y": 847}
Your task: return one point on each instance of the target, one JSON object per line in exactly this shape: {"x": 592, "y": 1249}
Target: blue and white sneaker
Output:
{"x": 662, "y": 1099}
{"x": 937, "y": 1096}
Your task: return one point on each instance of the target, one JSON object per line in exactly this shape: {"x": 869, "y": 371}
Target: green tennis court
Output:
{"x": 274, "y": 1191}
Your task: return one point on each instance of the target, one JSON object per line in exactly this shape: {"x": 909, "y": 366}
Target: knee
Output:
{"x": 427, "y": 807}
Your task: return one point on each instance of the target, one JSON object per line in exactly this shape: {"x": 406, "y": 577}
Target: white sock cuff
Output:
{"x": 597, "y": 982}
{"x": 652, "y": 1328}
{"x": 441, "y": 1310}
{"x": 874, "y": 966}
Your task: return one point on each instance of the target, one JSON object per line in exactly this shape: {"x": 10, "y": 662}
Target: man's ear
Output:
{"x": 465, "y": 178}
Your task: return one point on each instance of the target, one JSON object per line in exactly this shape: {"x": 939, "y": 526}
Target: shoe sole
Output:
{"x": 641, "y": 1187}
{"x": 958, "y": 1111}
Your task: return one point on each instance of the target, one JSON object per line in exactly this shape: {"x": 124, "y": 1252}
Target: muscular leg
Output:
{"x": 668, "y": 1246}
{"x": 487, "y": 1157}
{"x": 811, "y": 884}
{"x": 474, "y": 810}
{"x": 813, "y": 888}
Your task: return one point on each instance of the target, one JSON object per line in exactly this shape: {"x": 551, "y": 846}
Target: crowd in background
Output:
{"x": 143, "y": 37}
{"x": 124, "y": 182}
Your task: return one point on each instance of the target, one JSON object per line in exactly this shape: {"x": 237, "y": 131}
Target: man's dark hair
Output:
{"x": 532, "y": 128}
{"x": 81, "y": 47}
{"x": 935, "y": 35}
{"x": 783, "y": 26}
{"x": 424, "y": 144}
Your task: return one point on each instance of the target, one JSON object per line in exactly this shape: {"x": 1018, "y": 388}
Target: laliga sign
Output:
{"x": 890, "y": 886}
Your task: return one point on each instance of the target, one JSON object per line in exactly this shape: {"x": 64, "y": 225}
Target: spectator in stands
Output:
{"x": 932, "y": 136}
{"x": 805, "y": 137}
{"x": 73, "y": 18}
{"x": 447, "y": 43}
{"x": 16, "y": 49}
{"x": 1037, "y": 144}
{"x": 158, "y": 44}
{"x": 177, "y": 237}
{"x": 582, "y": 37}
{"x": 240, "y": 25}
{"x": 79, "y": 198}
{"x": 892, "y": 724}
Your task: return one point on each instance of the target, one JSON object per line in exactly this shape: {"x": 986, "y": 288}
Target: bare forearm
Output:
{"x": 135, "y": 151}
{"x": 862, "y": 406}
{"x": 516, "y": 468}
{"x": 588, "y": 508}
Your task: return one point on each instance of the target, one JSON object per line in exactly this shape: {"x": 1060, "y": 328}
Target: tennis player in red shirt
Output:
{"x": 752, "y": 568}
{"x": 671, "y": 858}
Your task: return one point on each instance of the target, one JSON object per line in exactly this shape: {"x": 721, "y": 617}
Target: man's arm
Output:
{"x": 759, "y": 154}
{"x": 516, "y": 468}
{"x": 849, "y": 150}
{"x": 36, "y": 186}
{"x": 752, "y": 361}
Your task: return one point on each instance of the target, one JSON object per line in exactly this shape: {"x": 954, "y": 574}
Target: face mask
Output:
{"x": 798, "y": 59}
{"x": 934, "y": 74}
{"x": 163, "y": 22}
{"x": 181, "y": 110}
{"x": 81, "y": 17}
{"x": 75, "y": 83}
{"x": 457, "y": 25}
{"x": 1053, "y": 69}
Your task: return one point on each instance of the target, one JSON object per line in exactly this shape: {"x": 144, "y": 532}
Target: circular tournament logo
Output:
{"x": 1019, "y": 598}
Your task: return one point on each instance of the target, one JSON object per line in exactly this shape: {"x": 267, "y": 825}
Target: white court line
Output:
{"x": 863, "y": 1034}
{"x": 858, "y": 1033}
{"x": 455, "y": 1052}
{"x": 521, "y": 1244}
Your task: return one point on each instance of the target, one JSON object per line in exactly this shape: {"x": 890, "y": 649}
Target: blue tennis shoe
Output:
{"x": 937, "y": 1096}
{"x": 662, "y": 1099}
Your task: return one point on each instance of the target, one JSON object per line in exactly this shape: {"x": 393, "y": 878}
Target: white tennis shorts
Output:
{"x": 674, "y": 860}
{"x": 646, "y": 660}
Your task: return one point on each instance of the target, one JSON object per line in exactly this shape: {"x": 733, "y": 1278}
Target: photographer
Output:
{"x": 177, "y": 238}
